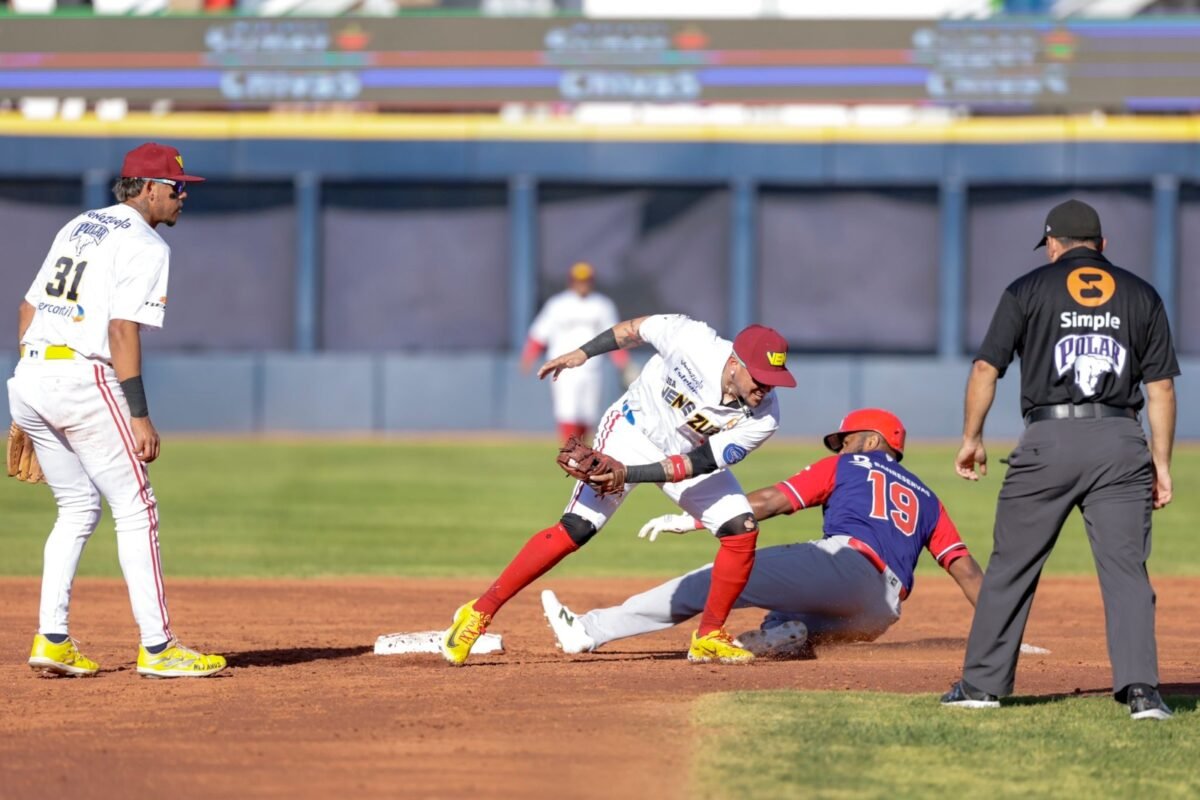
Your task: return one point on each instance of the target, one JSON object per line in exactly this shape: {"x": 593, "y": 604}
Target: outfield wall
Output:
{"x": 378, "y": 273}
{"x": 417, "y": 394}
{"x": 380, "y": 234}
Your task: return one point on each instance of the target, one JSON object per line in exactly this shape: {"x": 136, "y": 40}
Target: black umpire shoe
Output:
{"x": 1146, "y": 703}
{"x": 963, "y": 695}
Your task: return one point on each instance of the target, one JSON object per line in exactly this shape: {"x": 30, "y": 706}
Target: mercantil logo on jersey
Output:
{"x": 74, "y": 310}
{"x": 87, "y": 234}
{"x": 1091, "y": 355}
{"x": 1091, "y": 286}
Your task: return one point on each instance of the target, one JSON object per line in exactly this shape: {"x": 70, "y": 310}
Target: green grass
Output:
{"x": 266, "y": 508}
{"x": 869, "y": 745}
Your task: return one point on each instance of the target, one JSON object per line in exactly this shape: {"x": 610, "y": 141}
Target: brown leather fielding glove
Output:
{"x": 603, "y": 473}
{"x": 22, "y": 460}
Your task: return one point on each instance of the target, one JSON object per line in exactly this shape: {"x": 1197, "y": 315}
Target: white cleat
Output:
{"x": 787, "y": 640}
{"x": 568, "y": 628}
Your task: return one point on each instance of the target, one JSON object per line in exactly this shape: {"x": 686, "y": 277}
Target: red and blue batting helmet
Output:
{"x": 885, "y": 423}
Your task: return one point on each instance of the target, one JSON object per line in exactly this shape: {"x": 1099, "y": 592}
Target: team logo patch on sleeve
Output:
{"x": 733, "y": 453}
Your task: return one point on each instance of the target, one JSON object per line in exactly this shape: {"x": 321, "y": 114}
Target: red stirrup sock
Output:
{"x": 568, "y": 429}
{"x": 731, "y": 570}
{"x": 539, "y": 555}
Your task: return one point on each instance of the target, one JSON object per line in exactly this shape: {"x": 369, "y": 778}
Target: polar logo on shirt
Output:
{"x": 733, "y": 453}
{"x": 1091, "y": 355}
{"x": 87, "y": 234}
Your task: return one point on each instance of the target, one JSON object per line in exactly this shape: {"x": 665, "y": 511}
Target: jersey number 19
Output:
{"x": 904, "y": 501}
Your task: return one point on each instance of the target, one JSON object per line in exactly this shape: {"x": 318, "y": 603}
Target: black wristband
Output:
{"x": 703, "y": 459}
{"x": 135, "y": 395}
{"x": 646, "y": 473}
{"x": 604, "y": 343}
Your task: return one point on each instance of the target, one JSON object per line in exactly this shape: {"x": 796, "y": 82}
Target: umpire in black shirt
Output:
{"x": 1088, "y": 334}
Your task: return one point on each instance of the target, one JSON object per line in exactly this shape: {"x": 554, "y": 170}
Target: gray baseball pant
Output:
{"x": 1103, "y": 467}
{"x": 832, "y": 589}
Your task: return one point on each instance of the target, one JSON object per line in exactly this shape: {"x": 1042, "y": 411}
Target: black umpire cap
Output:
{"x": 1073, "y": 219}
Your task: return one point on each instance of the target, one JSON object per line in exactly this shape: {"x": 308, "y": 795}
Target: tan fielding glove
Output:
{"x": 22, "y": 460}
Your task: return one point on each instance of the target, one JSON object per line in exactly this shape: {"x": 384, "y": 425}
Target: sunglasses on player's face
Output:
{"x": 178, "y": 186}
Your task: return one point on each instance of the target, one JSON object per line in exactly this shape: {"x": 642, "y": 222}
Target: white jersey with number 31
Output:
{"x": 105, "y": 264}
{"x": 676, "y": 402}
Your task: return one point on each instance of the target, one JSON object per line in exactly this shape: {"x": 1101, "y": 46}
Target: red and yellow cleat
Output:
{"x": 462, "y": 634}
{"x": 718, "y": 646}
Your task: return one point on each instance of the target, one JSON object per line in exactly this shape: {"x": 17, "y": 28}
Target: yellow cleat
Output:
{"x": 718, "y": 646}
{"x": 462, "y": 634}
{"x": 60, "y": 659}
{"x": 177, "y": 661}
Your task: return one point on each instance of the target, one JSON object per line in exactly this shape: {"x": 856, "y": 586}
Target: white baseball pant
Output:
{"x": 77, "y": 417}
{"x": 576, "y": 395}
{"x": 836, "y": 592}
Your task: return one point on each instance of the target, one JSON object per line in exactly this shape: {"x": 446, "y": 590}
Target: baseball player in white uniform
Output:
{"x": 77, "y": 392}
{"x": 700, "y": 405}
{"x": 847, "y": 586}
{"x": 572, "y": 316}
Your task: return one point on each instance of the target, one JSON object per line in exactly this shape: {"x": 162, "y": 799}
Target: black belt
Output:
{"x": 1081, "y": 411}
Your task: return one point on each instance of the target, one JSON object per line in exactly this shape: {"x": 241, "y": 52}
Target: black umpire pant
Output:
{"x": 1103, "y": 467}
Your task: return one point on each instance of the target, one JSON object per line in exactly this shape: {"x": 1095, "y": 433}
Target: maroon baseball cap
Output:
{"x": 153, "y": 160}
{"x": 763, "y": 351}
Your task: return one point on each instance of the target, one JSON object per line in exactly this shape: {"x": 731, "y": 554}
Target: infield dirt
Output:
{"x": 306, "y": 710}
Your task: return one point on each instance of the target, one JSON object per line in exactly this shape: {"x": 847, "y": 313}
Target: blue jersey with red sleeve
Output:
{"x": 870, "y": 497}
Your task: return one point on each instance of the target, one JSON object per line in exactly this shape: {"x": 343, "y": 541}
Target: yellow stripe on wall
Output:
{"x": 385, "y": 127}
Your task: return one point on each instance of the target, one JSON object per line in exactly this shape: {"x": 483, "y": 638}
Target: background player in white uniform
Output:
{"x": 847, "y": 586}
{"x": 572, "y": 316}
{"x": 700, "y": 405}
{"x": 77, "y": 391}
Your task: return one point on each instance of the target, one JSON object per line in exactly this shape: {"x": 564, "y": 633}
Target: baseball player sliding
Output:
{"x": 77, "y": 392}
{"x": 700, "y": 405}
{"x": 846, "y": 586}
{"x": 568, "y": 318}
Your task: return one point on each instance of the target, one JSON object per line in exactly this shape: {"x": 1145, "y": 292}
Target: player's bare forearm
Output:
{"x": 1160, "y": 411}
{"x": 673, "y": 469}
{"x": 125, "y": 342}
{"x": 971, "y": 461}
{"x": 968, "y": 576}
{"x": 768, "y": 502}
{"x": 628, "y": 333}
{"x": 621, "y": 336}
{"x": 981, "y": 391}
{"x": 670, "y": 470}
{"x": 126, "y": 345}
{"x": 24, "y": 319}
